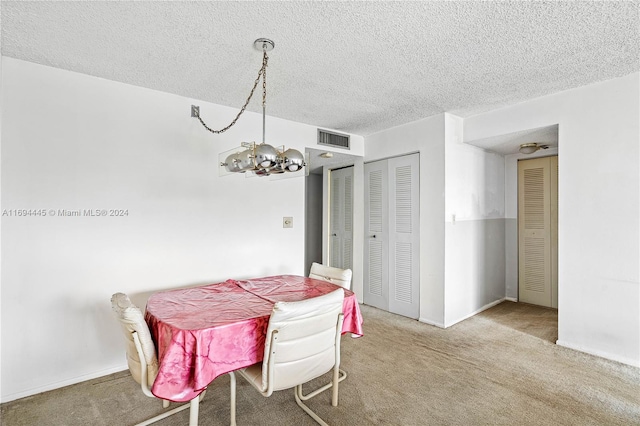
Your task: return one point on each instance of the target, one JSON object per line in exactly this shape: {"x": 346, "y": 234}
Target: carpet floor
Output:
{"x": 499, "y": 367}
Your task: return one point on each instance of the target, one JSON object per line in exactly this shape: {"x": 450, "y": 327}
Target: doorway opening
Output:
{"x": 318, "y": 206}
{"x": 508, "y": 146}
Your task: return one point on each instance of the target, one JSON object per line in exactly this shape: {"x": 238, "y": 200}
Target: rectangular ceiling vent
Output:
{"x": 333, "y": 139}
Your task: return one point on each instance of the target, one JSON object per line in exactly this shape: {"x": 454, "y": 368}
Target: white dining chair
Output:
{"x": 302, "y": 343}
{"x": 341, "y": 277}
{"x": 141, "y": 356}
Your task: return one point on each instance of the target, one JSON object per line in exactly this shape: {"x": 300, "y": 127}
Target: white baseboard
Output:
{"x": 484, "y": 308}
{"x": 511, "y": 299}
{"x": 601, "y": 354}
{"x": 57, "y": 385}
{"x": 436, "y": 324}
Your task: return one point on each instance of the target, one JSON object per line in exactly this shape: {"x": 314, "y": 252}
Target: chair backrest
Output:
{"x": 303, "y": 341}
{"x": 132, "y": 320}
{"x": 341, "y": 277}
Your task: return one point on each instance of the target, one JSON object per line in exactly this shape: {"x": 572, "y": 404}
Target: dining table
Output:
{"x": 206, "y": 331}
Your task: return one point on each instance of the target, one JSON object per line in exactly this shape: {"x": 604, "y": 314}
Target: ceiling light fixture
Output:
{"x": 251, "y": 158}
{"x": 530, "y": 148}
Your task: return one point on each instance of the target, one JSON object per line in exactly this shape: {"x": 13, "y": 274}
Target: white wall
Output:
{"x": 474, "y": 226}
{"x": 599, "y": 209}
{"x": 426, "y": 137}
{"x": 71, "y": 141}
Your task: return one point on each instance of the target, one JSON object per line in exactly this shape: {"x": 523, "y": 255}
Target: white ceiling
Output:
{"x": 356, "y": 67}
{"x": 510, "y": 143}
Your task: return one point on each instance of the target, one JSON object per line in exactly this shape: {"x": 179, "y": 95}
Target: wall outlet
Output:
{"x": 287, "y": 222}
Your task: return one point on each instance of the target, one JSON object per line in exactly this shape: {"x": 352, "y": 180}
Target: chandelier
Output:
{"x": 252, "y": 158}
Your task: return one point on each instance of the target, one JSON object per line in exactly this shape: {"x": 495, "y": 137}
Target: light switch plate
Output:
{"x": 287, "y": 222}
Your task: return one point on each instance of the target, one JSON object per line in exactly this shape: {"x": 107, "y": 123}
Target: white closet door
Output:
{"x": 392, "y": 235}
{"x": 536, "y": 284}
{"x": 347, "y": 214}
{"x": 341, "y": 219}
{"x": 376, "y": 250}
{"x": 404, "y": 235}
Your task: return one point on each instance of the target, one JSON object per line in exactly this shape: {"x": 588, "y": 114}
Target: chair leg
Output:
{"x": 341, "y": 377}
{"x": 314, "y": 416}
{"x": 193, "y": 411}
{"x": 165, "y": 403}
{"x": 164, "y": 415}
{"x": 336, "y": 382}
{"x": 232, "y": 414}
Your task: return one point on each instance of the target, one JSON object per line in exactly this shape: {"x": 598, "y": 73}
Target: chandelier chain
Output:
{"x": 261, "y": 74}
{"x": 265, "y": 58}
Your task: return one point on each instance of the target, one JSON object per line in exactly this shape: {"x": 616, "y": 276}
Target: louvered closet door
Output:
{"x": 535, "y": 262}
{"x": 341, "y": 218}
{"x": 404, "y": 238}
{"x": 376, "y": 248}
{"x": 392, "y": 235}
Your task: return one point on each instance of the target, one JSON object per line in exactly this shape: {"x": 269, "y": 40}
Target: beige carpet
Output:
{"x": 497, "y": 368}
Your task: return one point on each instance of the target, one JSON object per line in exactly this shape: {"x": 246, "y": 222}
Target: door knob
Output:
{"x": 373, "y": 236}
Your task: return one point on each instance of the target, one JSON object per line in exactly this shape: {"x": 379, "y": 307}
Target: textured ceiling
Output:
{"x": 357, "y": 67}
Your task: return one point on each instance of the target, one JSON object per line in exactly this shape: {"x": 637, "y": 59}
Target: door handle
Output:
{"x": 334, "y": 235}
{"x": 373, "y": 236}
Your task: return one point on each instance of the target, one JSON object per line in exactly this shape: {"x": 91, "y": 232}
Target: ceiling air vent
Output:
{"x": 333, "y": 139}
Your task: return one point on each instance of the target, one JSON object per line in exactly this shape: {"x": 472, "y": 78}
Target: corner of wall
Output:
{"x": 474, "y": 243}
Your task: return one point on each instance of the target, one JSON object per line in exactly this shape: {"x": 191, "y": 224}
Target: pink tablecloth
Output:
{"x": 204, "y": 332}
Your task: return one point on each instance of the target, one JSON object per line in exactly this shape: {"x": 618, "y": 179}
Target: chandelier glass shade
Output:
{"x": 260, "y": 160}
{"x": 252, "y": 158}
